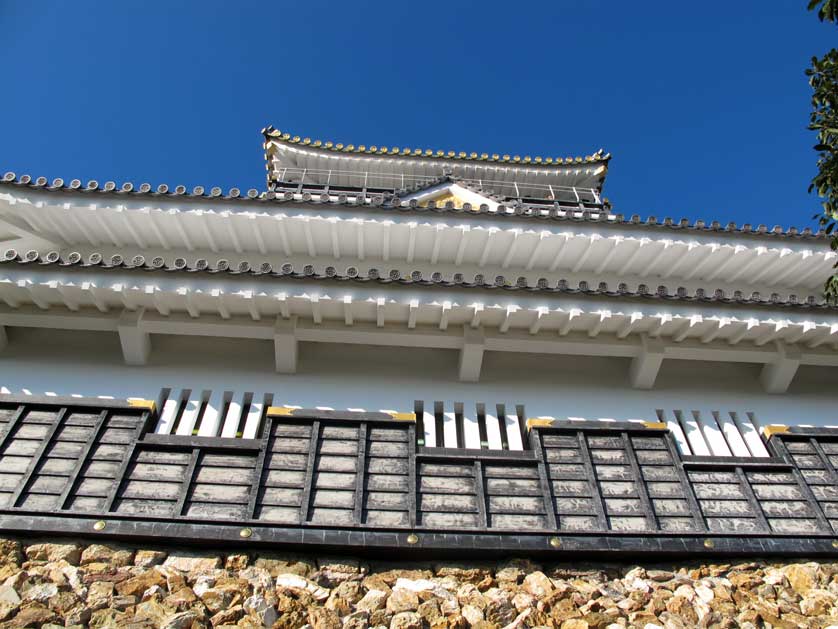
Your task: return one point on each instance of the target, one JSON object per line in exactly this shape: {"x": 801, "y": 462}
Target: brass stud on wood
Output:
{"x": 835, "y": 543}
{"x": 99, "y": 526}
{"x": 709, "y": 543}
{"x": 413, "y": 538}
{"x": 555, "y": 542}
{"x": 246, "y": 532}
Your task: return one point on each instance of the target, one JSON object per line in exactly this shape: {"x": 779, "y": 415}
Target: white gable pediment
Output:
{"x": 454, "y": 192}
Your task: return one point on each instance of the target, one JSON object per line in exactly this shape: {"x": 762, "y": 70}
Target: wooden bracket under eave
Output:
{"x": 279, "y": 411}
{"x": 538, "y": 422}
{"x": 402, "y": 417}
{"x": 146, "y": 404}
{"x": 774, "y": 429}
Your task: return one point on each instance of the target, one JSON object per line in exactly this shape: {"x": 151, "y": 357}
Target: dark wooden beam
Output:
{"x": 188, "y": 480}
{"x": 205, "y": 443}
{"x": 412, "y": 477}
{"x": 593, "y": 482}
{"x": 37, "y": 457}
{"x": 640, "y": 483}
{"x": 308, "y": 481}
{"x": 537, "y": 447}
{"x": 759, "y": 514}
{"x": 480, "y": 495}
{"x": 827, "y": 464}
{"x": 360, "y": 475}
{"x": 121, "y": 473}
{"x": 259, "y": 467}
{"x": 72, "y": 482}
{"x": 11, "y": 426}
{"x": 686, "y": 485}
{"x": 803, "y": 486}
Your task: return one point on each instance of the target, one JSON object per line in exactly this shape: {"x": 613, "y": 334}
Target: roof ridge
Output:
{"x": 271, "y": 133}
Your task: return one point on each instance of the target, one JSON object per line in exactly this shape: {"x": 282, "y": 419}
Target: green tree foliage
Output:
{"x": 823, "y": 77}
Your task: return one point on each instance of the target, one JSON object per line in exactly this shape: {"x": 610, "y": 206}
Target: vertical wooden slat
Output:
{"x": 188, "y": 480}
{"x": 590, "y": 473}
{"x": 544, "y": 480}
{"x": 695, "y": 508}
{"x": 35, "y": 461}
{"x": 482, "y": 431}
{"x": 640, "y": 483}
{"x": 119, "y": 478}
{"x": 459, "y": 425}
{"x": 360, "y": 474}
{"x": 420, "y": 427}
{"x": 412, "y": 479}
{"x": 781, "y": 449}
{"x": 480, "y": 495}
{"x": 756, "y": 507}
{"x": 95, "y": 434}
{"x": 11, "y": 426}
{"x": 522, "y": 428}
{"x": 504, "y": 429}
{"x": 259, "y": 468}
{"x": 439, "y": 428}
{"x": 313, "y": 447}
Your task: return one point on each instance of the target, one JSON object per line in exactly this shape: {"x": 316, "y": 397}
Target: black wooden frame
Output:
{"x": 810, "y": 472}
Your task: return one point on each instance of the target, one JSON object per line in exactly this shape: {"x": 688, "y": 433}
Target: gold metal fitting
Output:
{"x": 835, "y": 543}
{"x": 655, "y": 425}
{"x": 555, "y": 542}
{"x": 279, "y": 411}
{"x": 246, "y": 532}
{"x": 402, "y": 417}
{"x": 137, "y": 403}
{"x": 774, "y": 429}
{"x": 413, "y": 538}
{"x": 534, "y": 422}
{"x": 99, "y": 526}
{"x": 709, "y": 543}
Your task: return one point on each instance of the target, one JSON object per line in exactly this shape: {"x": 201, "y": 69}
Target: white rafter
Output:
{"x": 487, "y": 246}
{"x": 461, "y": 247}
{"x": 380, "y": 305}
{"x": 510, "y": 253}
{"x": 348, "y": 319}
{"x": 610, "y": 255}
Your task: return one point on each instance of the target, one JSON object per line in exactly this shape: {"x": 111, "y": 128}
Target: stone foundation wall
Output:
{"x": 76, "y": 584}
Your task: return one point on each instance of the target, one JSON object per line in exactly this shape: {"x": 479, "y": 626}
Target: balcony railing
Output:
{"x": 400, "y": 184}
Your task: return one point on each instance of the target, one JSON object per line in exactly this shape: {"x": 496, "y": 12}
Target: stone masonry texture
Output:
{"x": 53, "y": 583}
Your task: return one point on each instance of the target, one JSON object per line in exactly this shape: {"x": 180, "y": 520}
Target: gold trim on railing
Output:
{"x": 533, "y": 422}
{"x": 402, "y": 417}
{"x": 774, "y": 429}
{"x": 279, "y": 411}
{"x": 147, "y": 404}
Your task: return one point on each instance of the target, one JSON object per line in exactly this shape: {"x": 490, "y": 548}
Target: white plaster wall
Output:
{"x": 373, "y": 378}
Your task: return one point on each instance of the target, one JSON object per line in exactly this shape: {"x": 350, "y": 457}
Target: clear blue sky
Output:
{"x": 703, "y": 105}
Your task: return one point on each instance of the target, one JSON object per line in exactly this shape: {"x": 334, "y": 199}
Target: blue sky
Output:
{"x": 703, "y": 105}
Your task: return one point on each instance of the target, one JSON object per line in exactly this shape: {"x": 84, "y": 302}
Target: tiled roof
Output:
{"x": 414, "y": 278}
{"x": 389, "y": 203}
{"x": 271, "y": 133}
